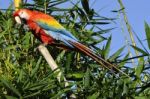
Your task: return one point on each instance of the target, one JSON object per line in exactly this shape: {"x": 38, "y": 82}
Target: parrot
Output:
{"x": 49, "y": 31}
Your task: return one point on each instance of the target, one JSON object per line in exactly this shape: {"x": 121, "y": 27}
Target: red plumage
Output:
{"x": 39, "y": 33}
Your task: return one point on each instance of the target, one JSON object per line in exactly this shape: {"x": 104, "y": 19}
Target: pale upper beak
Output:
{"x": 17, "y": 19}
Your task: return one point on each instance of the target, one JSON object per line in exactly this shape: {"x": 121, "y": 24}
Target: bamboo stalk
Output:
{"x": 128, "y": 26}
{"x": 126, "y": 38}
{"x": 45, "y": 6}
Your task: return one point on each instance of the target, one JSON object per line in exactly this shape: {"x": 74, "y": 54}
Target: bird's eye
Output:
{"x": 21, "y": 12}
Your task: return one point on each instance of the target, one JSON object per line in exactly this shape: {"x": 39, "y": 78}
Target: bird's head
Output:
{"x": 22, "y": 14}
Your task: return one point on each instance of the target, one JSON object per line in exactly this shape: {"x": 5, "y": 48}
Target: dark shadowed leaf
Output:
{"x": 10, "y": 97}
{"x": 85, "y": 4}
{"x": 93, "y": 96}
{"x": 10, "y": 86}
{"x": 87, "y": 79}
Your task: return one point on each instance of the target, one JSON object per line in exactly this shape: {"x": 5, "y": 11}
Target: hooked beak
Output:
{"x": 17, "y": 18}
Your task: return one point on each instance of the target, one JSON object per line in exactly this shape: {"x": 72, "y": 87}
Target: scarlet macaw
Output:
{"x": 48, "y": 30}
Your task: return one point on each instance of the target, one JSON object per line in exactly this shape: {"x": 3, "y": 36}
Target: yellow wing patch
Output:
{"x": 48, "y": 21}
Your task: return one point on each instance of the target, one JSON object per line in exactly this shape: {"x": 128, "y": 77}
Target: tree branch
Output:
{"x": 51, "y": 62}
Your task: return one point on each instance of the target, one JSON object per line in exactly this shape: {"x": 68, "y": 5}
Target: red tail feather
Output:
{"x": 91, "y": 54}
{"x": 95, "y": 57}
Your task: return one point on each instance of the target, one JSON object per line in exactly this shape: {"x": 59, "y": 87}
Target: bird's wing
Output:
{"x": 53, "y": 28}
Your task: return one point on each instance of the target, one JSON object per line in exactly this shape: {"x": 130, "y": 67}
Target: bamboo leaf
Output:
{"x": 107, "y": 48}
{"x": 87, "y": 79}
{"x": 10, "y": 86}
{"x": 93, "y": 96}
{"x": 10, "y": 97}
{"x": 77, "y": 75}
{"x": 61, "y": 92}
{"x": 85, "y": 4}
{"x": 147, "y": 30}
{"x": 60, "y": 56}
{"x": 140, "y": 67}
{"x": 116, "y": 54}
{"x": 36, "y": 67}
{"x": 69, "y": 61}
{"x": 125, "y": 89}
{"x": 141, "y": 97}
{"x": 123, "y": 63}
{"x": 139, "y": 50}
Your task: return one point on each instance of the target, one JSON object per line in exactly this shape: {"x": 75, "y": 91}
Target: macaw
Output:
{"x": 48, "y": 31}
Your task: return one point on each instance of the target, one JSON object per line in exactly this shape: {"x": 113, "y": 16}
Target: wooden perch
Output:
{"x": 51, "y": 62}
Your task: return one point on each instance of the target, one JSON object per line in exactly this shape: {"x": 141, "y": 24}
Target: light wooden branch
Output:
{"x": 51, "y": 62}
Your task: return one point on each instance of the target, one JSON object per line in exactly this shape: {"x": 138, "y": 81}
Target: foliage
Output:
{"x": 25, "y": 74}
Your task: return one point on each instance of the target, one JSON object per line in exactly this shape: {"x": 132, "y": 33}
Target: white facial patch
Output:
{"x": 23, "y": 15}
{"x": 18, "y": 20}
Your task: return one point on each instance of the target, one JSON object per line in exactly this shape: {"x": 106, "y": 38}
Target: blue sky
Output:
{"x": 136, "y": 10}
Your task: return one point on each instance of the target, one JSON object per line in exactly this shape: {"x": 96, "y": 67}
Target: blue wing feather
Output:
{"x": 61, "y": 37}
{"x": 61, "y": 31}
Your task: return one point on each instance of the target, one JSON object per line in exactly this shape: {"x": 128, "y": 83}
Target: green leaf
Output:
{"x": 10, "y": 97}
{"x": 10, "y": 86}
{"x": 26, "y": 40}
{"x": 89, "y": 12}
{"x": 141, "y": 97}
{"x": 87, "y": 78}
{"x": 68, "y": 62}
{"x": 60, "y": 56}
{"x": 36, "y": 67}
{"x": 85, "y": 4}
{"x": 125, "y": 89}
{"x": 77, "y": 75}
{"x": 147, "y": 30}
{"x": 33, "y": 94}
{"x": 107, "y": 48}
{"x": 140, "y": 67}
{"x": 93, "y": 96}
{"x": 60, "y": 92}
{"x": 123, "y": 62}
{"x": 82, "y": 15}
{"x": 116, "y": 54}
{"x": 139, "y": 50}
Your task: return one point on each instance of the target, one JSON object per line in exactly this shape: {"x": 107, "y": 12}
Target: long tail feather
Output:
{"x": 95, "y": 57}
